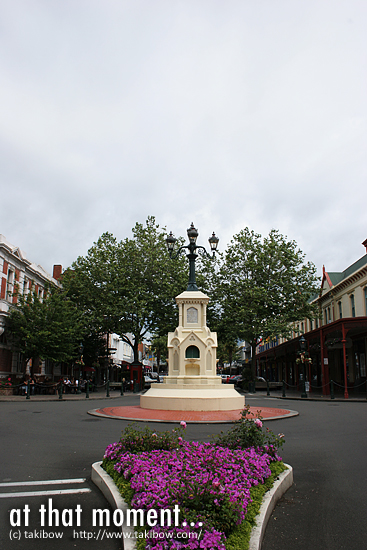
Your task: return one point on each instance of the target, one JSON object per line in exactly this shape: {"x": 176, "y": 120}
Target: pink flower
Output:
{"x": 183, "y": 424}
{"x": 258, "y": 423}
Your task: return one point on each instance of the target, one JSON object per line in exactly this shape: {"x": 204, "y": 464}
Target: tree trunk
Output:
{"x": 136, "y": 350}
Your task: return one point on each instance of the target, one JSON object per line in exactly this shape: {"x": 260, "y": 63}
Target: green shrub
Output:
{"x": 248, "y": 432}
{"x": 135, "y": 439}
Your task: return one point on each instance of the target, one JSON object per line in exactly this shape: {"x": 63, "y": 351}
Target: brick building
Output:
{"x": 18, "y": 276}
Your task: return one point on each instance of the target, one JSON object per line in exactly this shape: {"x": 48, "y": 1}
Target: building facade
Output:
{"x": 336, "y": 340}
{"x": 18, "y": 276}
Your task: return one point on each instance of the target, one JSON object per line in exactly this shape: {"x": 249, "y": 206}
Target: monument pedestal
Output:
{"x": 192, "y": 398}
{"x": 192, "y": 383}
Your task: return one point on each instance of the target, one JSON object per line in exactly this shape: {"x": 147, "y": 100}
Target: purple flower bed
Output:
{"x": 210, "y": 484}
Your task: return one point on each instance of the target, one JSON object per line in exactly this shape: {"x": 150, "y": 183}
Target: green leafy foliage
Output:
{"x": 262, "y": 286}
{"x": 49, "y": 328}
{"x": 159, "y": 347}
{"x": 248, "y": 432}
{"x": 129, "y": 287}
{"x": 135, "y": 439}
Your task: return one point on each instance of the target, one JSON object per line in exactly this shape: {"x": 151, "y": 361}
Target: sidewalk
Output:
{"x": 65, "y": 397}
{"x": 311, "y": 396}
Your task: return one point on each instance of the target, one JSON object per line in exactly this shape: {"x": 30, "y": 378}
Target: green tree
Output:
{"x": 264, "y": 284}
{"x": 129, "y": 287}
{"x": 51, "y": 328}
{"x": 159, "y": 347}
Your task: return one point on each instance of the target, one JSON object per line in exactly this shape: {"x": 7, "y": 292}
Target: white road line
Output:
{"x": 44, "y": 493}
{"x": 45, "y": 482}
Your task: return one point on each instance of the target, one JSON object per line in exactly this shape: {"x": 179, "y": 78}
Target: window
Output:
{"x": 340, "y": 310}
{"x": 25, "y": 286}
{"x": 9, "y": 285}
{"x": 352, "y": 305}
{"x": 192, "y": 352}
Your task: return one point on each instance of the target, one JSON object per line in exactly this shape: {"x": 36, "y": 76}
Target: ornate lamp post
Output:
{"x": 303, "y": 358}
{"x": 192, "y": 247}
{"x": 81, "y": 349}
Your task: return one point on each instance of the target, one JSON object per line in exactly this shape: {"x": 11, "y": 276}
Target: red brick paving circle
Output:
{"x": 154, "y": 415}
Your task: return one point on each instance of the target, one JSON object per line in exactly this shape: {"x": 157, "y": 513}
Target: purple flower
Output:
{"x": 190, "y": 474}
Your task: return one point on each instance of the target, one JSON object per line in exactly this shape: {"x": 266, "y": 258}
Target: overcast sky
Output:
{"x": 225, "y": 113}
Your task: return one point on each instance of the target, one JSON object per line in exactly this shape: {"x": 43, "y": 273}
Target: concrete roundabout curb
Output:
{"x": 281, "y": 485}
{"x": 139, "y": 414}
{"x": 285, "y": 480}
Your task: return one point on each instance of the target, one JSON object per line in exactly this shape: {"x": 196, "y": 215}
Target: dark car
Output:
{"x": 236, "y": 380}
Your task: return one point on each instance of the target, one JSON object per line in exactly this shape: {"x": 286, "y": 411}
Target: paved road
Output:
{"x": 326, "y": 508}
{"x": 52, "y": 441}
{"x": 326, "y": 444}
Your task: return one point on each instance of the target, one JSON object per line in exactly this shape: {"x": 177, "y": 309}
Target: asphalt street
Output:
{"x": 326, "y": 508}
{"x": 53, "y": 441}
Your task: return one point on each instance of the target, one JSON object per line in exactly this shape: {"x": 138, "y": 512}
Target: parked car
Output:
{"x": 236, "y": 380}
{"x": 225, "y": 378}
{"x": 156, "y": 377}
{"x": 148, "y": 381}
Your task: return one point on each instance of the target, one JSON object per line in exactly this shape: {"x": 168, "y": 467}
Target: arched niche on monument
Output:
{"x": 192, "y": 352}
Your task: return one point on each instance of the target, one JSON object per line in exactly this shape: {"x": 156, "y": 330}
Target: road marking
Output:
{"x": 44, "y": 493}
{"x": 45, "y": 482}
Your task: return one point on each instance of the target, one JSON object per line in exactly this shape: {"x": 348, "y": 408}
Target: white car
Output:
{"x": 149, "y": 381}
{"x": 154, "y": 376}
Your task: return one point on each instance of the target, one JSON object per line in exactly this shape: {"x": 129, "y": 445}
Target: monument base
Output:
{"x": 170, "y": 397}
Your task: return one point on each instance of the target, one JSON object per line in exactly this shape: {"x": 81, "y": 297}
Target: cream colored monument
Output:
{"x": 192, "y": 383}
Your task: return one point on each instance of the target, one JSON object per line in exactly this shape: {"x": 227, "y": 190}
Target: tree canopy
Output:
{"x": 263, "y": 285}
{"x": 51, "y": 328}
{"x": 128, "y": 287}
{"x": 258, "y": 286}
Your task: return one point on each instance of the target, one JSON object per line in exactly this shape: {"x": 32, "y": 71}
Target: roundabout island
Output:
{"x": 139, "y": 414}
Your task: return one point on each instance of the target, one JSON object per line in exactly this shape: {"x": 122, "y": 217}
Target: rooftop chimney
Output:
{"x": 57, "y": 272}
{"x": 365, "y": 244}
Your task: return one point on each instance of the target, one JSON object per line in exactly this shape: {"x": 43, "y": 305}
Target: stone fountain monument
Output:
{"x": 192, "y": 383}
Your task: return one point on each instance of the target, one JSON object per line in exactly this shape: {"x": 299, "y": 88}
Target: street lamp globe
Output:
{"x": 192, "y": 234}
{"x": 213, "y": 241}
{"x": 171, "y": 241}
{"x": 303, "y": 343}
